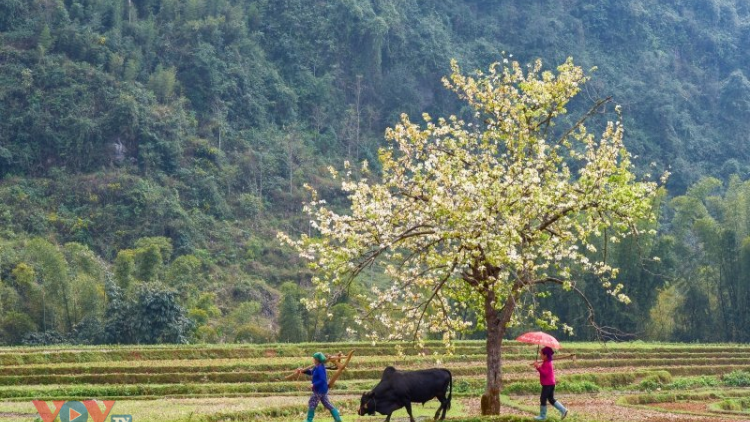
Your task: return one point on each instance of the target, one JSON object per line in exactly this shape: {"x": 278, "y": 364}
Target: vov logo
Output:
{"x": 76, "y": 411}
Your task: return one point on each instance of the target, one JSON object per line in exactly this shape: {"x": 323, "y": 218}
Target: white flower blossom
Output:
{"x": 474, "y": 218}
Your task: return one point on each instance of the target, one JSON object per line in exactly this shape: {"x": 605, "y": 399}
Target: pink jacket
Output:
{"x": 546, "y": 373}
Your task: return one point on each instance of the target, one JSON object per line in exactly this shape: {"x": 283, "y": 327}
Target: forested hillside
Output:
{"x": 151, "y": 149}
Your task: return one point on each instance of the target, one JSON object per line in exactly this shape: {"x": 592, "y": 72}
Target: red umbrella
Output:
{"x": 539, "y": 338}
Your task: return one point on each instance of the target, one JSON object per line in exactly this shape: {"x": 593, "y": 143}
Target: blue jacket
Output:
{"x": 319, "y": 379}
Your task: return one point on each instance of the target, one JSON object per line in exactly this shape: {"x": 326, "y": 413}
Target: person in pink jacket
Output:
{"x": 547, "y": 379}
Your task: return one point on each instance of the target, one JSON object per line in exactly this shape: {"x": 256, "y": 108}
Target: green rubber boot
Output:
{"x": 563, "y": 411}
{"x": 336, "y": 416}
{"x": 542, "y": 414}
{"x": 310, "y": 415}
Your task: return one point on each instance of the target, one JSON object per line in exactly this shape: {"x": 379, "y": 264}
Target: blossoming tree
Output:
{"x": 479, "y": 217}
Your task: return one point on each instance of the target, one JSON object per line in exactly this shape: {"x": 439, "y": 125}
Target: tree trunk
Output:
{"x": 496, "y": 326}
{"x": 491, "y": 396}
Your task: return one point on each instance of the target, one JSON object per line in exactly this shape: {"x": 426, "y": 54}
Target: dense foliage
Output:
{"x": 149, "y": 146}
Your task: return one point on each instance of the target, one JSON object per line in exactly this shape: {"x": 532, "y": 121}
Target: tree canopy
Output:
{"x": 479, "y": 215}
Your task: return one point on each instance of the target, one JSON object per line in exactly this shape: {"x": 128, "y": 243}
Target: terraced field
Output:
{"x": 204, "y": 383}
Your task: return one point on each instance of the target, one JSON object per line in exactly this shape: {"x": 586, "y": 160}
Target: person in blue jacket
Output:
{"x": 319, "y": 388}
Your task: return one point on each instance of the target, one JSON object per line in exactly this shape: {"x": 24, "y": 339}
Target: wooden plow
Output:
{"x": 566, "y": 357}
{"x": 335, "y": 362}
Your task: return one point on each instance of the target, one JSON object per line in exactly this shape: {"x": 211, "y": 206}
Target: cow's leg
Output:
{"x": 388, "y": 417}
{"x": 437, "y": 414}
{"x": 441, "y": 400}
{"x": 408, "y": 410}
{"x": 445, "y": 406}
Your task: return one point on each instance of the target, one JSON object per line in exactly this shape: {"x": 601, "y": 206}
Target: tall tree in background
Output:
{"x": 290, "y": 321}
{"x": 712, "y": 227}
{"x": 480, "y": 216}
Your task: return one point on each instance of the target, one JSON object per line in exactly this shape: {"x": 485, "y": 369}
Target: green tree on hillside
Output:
{"x": 16, "y": 326}
{"x": 339, "y": 327}
{"x": 53, "y": 273}
{"x": 152, "y": 316}
{"x": 290, "y": 321}
{"x": 124, "y": 268}
{"x": 480, "y": 215}
{"x": 712, "y": 226}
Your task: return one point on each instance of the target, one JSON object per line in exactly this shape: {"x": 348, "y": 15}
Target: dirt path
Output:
{"x": 603, "y": 408}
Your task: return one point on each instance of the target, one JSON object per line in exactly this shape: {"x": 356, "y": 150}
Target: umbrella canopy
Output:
{"x": 540, "y": 338}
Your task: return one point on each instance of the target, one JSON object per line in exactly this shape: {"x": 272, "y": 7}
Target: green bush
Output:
{"x": 655, "y": 381}
{"x": 522, "y": 387}
{"x": 249, "y": 333}
{"x": 461, "y": 386}
{"x": 730, "y": 405}
{"x": 16, "y": 325}
{"x": 579, "y": 387}
{"x": 737, "y": 379}
{"x": 692, "y": 382}
{"x": 649, "y": 384}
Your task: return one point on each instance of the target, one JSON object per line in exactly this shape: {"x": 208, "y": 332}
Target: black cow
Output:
{"x": 398, "y": 389}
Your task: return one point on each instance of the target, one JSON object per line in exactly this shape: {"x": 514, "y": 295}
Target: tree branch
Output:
{"x": 435, "y": 292}
{"x": 603, "y": 333}
{"x": 585, "y": 117}
{"x": 563, "y": 213}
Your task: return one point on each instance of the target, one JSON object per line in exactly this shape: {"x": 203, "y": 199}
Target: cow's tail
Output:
{"x": 450, "y": 391}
